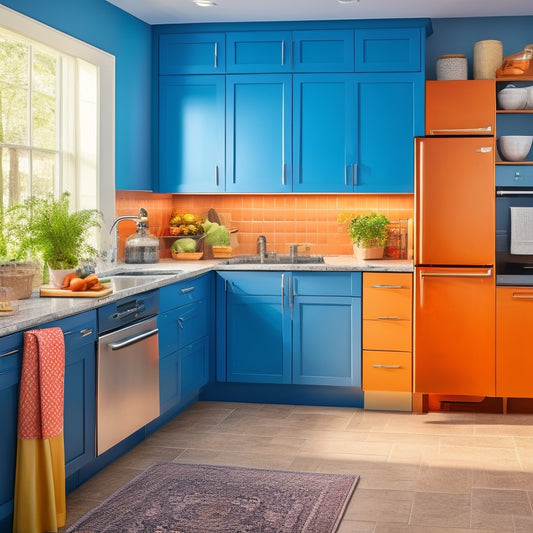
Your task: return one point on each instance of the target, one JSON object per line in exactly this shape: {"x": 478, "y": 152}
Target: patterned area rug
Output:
{"x": 187, "y": 498}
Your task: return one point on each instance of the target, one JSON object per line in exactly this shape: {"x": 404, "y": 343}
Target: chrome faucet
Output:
{"x": 141, "y": 219}
{"x": 262, "y": 247}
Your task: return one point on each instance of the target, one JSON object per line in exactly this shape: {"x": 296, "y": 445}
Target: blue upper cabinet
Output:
{"x": 192, "y": 53}
{"x": 258, "y": 133}
{"x": 389, "y": 119}
{"x": 191, "y": 134}
{"x": 254, "y": 52}
{"x": 324, "y": 132}
{"x": 388, "y": 50}
{"x": 323, "y": 51}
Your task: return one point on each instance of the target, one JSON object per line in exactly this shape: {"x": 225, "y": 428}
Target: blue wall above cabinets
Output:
{"x": 458, "y": 36}
{"x": 103, "y": 25}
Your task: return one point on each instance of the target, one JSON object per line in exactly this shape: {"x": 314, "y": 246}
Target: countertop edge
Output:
{"x": 37, "y": 310}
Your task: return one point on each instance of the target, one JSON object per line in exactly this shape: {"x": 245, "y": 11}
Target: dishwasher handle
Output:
{"x": 132, "y": 340}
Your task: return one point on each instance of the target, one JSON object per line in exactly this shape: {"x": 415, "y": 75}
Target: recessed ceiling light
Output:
{"x": 204, "y": 3}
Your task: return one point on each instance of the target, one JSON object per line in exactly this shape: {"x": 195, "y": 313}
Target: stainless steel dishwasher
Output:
{"x": 127, "y": 388}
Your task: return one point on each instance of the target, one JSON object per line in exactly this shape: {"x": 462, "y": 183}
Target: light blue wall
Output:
{"x": 458, "y": 36}
{"x": 103, "y": 25}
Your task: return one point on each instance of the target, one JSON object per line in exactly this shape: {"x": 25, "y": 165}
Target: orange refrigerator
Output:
{"x": 454, "y": 329}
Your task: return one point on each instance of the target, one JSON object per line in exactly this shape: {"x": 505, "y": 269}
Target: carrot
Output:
{"x": 97, "y": 287}
{"x": 77, "y": 284}
{"x": 91, "y": 279}
{"x": 67, "y": 279}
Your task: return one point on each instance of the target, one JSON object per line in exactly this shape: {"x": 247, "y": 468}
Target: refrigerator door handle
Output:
{"x": 486, "y": 274}
{"x": 464, "y": 131}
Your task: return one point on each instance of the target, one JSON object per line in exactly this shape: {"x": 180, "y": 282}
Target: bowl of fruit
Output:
{"x": 187, "y": 225}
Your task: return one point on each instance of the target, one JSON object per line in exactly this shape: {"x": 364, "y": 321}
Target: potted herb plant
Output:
{"x": 45, "y": 229}
{"x": 369, "y": 235}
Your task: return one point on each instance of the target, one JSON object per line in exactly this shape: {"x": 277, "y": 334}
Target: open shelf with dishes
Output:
{"x": 514, "y": 121}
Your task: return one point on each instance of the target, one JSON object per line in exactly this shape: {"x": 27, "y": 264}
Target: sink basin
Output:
{"x": 124, "y": 281}
{"x": 147, "y": 273}
{"x": 274, "y": 259}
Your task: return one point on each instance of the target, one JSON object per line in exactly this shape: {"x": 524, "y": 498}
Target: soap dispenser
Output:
{"x": 142, "y": 246}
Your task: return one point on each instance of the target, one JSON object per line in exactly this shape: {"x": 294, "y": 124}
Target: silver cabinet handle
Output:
{"x": 388, "y": 318}
{"x": 12, "y": 352}
{"x": 487, "y": 274}
{"x": 180, "y": 322}
{"x": 393, "y": 367}
{"x": 133, "y": 340}
{"x": 284, "y": 174}
{"x": 385, "y": 286}
{"x": 283, "y": 52}
{"x": 185, "y": 290}
{"x": 523, "y": 295}
{"x": 486, "y": 129}
{"x": 282, "y": 290}
{"x": 216, "y": 54}
{"x": 216, "y": 175}
{"x": 354, "y": 174}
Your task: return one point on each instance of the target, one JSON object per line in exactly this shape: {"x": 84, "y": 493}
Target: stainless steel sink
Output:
{"x": 123, "y": 281}
{"x": 146, "y": 273}
{"x": 275, "y": 259}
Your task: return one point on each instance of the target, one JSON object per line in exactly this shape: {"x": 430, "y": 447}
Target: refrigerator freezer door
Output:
{"x": 455, "y": 331}
{"x": 454, "y": 201}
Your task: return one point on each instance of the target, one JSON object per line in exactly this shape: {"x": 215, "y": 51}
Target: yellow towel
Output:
{"x": 40, "y": 497}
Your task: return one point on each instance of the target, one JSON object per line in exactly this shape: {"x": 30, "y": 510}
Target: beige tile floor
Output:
{"x": 420, "y": 473}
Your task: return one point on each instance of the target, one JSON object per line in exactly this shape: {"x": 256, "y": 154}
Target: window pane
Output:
{"x": 43, "y": 121}
{"x": 13, "y": 91}
{"x": 44, "y": 170}
{"x": 15, "y": 175}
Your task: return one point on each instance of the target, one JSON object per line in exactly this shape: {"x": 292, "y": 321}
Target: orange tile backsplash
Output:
{"x": 283, "y": 219}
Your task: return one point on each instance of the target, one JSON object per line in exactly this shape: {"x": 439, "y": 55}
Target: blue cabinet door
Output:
{"x": 258, "y": 133}
{"x": 324, "y": 132}
{"x": 194, "y": 368}
{"x": 253, "y": 322}
{"x": 192, "y": 53}
{"x": 388, "y": 50}
{"x": 258, "y": 51}
{"x": 10, "y": 364}
{"x": 323, "y": 50}
{"x": 390, "y": 116}
{"x": 327, "y": 341}
{"x": 191, "y": 134}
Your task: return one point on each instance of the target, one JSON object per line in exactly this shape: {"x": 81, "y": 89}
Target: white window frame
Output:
{"x": 48, "y": 36}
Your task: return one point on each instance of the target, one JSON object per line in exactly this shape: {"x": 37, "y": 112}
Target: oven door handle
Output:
{"x": 133, "y": 340}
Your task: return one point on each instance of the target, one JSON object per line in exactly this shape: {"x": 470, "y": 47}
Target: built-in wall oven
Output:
{"x": 514, "y": 235}
{"x": 127, "y": 396}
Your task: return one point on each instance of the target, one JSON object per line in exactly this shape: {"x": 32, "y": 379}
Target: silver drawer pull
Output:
{"x": 392, "y": 367}
{"x": 86, "y": 332}
{"x": 12, "y": 352}
{"x": 387, "y": 286}
{"x": 487, "y": 274}
{"x": 186, "y": 290}
{"x": 388, "y": 318}
{"x": 487, "y": 129}
{"x": 523, "y": 295}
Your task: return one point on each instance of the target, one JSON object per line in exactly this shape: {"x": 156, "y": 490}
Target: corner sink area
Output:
{"x": 275, "y": 259}
{"x": 129, "y": 280}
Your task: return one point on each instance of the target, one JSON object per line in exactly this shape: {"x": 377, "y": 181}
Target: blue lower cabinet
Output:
{"x": 194, "y": 367}
{"x": 10, "y": 363}
{"x": 269, "y": 332}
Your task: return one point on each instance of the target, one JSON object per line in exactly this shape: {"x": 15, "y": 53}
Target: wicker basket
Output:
{"x": 18, "y": 277}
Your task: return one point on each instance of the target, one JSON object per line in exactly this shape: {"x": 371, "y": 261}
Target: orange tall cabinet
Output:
{"x": 387, "y": 340}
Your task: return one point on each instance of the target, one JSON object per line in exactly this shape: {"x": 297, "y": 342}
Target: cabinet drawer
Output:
{"x": 514, "y": 176}
{"x": 388, "y": 333}
{"x": 78, "y": 330}
{"x": 390, "y": 50}
{"x": 323, "y": 51}
{"x": 178, "y": 294}
{"x": 327, "y": 283}
{"x": 258, "y": 51}
{"x": 192, "y": 53}
{"x": 387, "y": 295}
{"x": 387, "y": 371}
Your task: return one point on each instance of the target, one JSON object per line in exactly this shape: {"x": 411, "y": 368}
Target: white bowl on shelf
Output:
{"x": 515, "y": 147}
{"x": 529, "y": 104}
{"x": 513, "y": 98}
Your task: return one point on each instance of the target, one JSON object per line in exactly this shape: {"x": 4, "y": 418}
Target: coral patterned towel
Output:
{"x": 42, "y": 384}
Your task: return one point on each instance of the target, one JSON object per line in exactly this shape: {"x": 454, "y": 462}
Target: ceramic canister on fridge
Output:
{"x": 452, "y": 67}
{"x": 488, "y": 58}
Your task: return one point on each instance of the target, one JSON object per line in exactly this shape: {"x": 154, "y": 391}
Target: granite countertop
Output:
{"x": 38, "y": 310}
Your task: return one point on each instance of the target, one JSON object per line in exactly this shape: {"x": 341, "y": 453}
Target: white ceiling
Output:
{"x": 184, "y": 11}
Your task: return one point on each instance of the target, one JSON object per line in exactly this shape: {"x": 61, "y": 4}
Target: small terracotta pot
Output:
{"x": 368, "y": 253}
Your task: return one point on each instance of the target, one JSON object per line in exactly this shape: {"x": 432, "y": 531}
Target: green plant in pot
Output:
{"x": 47, "y": 230}
{"x": 369, "y": 235}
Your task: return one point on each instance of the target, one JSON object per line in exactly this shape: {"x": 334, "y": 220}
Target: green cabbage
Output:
{"x": 215, "y": 234}
{"x": 184, "y": 246}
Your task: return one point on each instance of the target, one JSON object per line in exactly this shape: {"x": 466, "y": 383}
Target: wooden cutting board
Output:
{"x": 49, "y": 290}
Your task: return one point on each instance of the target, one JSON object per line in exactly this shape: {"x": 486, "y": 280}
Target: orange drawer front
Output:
{"x": 387, "y": 333}
{"x": 387, "y": 295}
{"x": 387, "y": 371}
